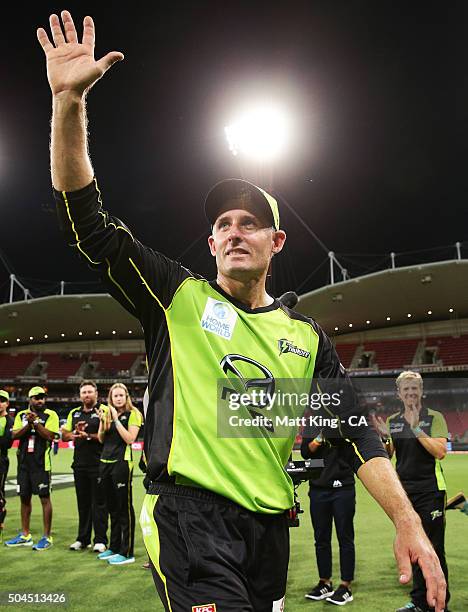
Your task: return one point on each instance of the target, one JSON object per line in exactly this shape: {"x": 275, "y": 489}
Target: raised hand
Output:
{"x": 380, "y": 425}
{"x": 71, "y": 66}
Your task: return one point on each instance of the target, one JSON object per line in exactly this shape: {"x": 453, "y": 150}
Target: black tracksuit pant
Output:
{"x": 116, "y": 482}
{"x": 3, "y": 475}
{"x": 327, "y": 506}
{"x": 92, "y": 511}
{"x": 431, "y": 508}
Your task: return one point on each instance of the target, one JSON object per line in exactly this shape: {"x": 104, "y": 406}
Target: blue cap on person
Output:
{"x": 36, "y": 391}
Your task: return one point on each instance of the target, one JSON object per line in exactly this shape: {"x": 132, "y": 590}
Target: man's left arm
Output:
{"x": 411, "y": 544}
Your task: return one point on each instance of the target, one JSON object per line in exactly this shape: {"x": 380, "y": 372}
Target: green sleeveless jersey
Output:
{"x": 202, "y": 347}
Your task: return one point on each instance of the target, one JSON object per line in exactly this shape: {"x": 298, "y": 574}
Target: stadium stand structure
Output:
{"x": 414, "y": 317}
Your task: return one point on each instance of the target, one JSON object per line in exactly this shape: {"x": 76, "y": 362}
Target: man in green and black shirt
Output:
{"x": 214, "y": 521}
{"x": 418, "y": 436}
{"x": 82, "y": 427}
{"x": 35, "y": 428}
{"x": 6, "y": 424}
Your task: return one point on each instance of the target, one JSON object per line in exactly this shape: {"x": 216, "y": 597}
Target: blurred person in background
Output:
{"x": 118, "y": 428}
{"x": 82, "y": 427}
{"x": 35, "y": 428}
{"x": 332, "y": 500}
{"x": 6, "y": 425}
{"x": 418, "y": 437}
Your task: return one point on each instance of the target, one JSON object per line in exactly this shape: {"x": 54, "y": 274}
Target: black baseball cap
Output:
{"x": 233, "y": 188}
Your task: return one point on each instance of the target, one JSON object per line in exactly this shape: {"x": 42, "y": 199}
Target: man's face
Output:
{"x": 410, "y": 392}
{"x": 4, "y": 403}
{"x": 88, "y": 395}
{"x": 38, "y": 402}
{"x": 243, "y": 244}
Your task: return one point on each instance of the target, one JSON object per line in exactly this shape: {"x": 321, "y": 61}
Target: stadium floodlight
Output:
{"x": 367, "y": 322}
{"x": 259, "y": 133}
{"x": 429, "y": 312}
{"x": 450, "y": 309}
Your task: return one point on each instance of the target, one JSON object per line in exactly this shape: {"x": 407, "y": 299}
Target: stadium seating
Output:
{"x": 61, "y": 365}
{"x": 12, "y": 366}
{"x": 391, "y": 354}
{"x": 451, "y": 351}
{"x": 112, "y": 365}
{"x": 346, "y": 353}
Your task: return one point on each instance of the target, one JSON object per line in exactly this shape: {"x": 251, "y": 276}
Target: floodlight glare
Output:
{"x": 259, "y": 133}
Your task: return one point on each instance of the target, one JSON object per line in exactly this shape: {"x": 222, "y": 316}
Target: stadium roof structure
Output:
{"x": 384, "y": 299}
{"x": 393, "y": 297}
{"x": 61, "y": 318}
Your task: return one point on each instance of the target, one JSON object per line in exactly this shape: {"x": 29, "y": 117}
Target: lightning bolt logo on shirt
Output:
{"x": 286, "y": 346}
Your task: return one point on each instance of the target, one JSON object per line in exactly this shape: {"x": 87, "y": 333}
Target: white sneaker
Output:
{"x": 76, "y": 545}
{"x": 99, "y": 548}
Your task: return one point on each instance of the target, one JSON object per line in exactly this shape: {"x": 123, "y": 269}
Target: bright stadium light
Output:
{"x": 260, "y": 133}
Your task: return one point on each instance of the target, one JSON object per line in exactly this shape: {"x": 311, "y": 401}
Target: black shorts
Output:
{"x": 208, "y": 553}
{"x": 36, "y": 482}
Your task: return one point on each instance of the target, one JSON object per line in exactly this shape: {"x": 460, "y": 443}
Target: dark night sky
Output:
{"x": 377, "y": 90}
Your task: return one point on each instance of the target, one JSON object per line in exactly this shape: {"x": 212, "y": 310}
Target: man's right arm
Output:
{"x": 132, "y": 273}
{"x": 71, "y": 71}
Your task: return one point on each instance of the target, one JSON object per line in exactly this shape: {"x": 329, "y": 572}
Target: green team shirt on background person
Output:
{"x": 115, "y": 448}
{"x": 6, "y": 423}
{"x": 33, "y": 446}
{"x": 419, "y": 471}
{"x": 195, "y": 336}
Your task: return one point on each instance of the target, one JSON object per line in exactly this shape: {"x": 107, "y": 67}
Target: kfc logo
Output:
{"x": 204, "y": 608}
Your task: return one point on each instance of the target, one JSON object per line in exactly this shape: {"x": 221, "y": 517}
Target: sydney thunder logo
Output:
{"x": 285, "y": 346}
